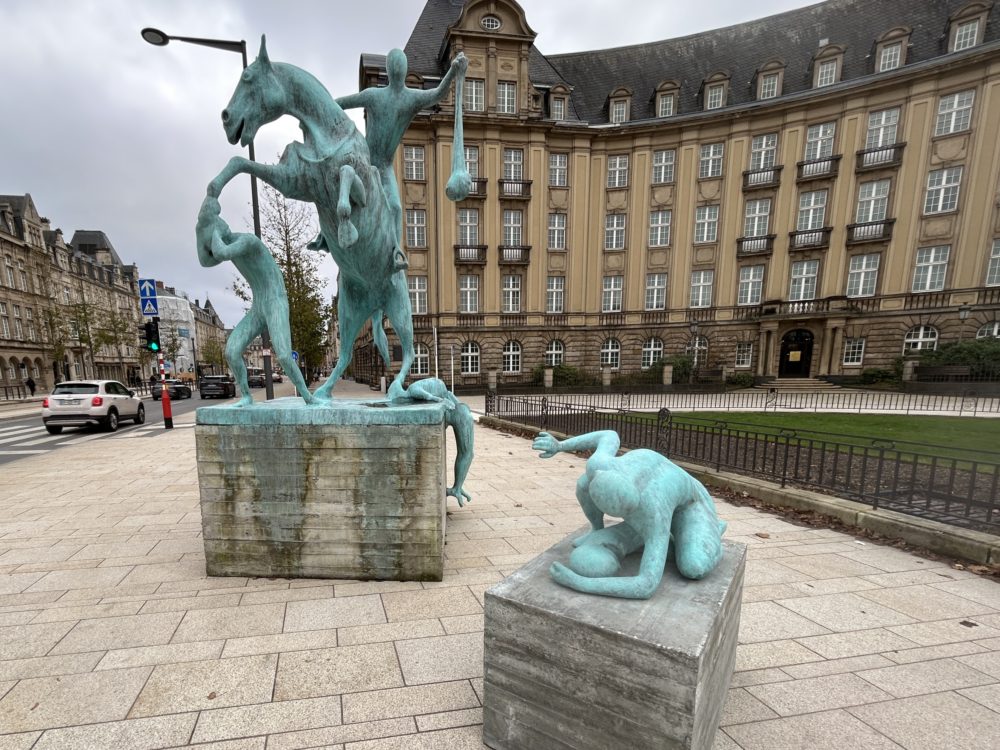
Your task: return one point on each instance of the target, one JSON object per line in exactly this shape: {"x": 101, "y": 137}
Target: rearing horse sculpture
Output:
{"x": 332, "y": 169}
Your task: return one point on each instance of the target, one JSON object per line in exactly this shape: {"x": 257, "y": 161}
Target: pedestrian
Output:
{"x": 152, "y": 379}
{"x": 31, "y": 385}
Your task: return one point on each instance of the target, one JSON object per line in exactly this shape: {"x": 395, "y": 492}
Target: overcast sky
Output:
{"x": 107, "y": 132}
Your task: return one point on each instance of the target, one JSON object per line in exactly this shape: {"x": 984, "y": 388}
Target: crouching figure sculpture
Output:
{"x": 656, "y": 500}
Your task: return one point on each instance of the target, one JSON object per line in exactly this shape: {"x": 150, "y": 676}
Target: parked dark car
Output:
{"x": 178, "y": 389}
{"x": 255, "y": 377}
{"x": 217, "y": 386}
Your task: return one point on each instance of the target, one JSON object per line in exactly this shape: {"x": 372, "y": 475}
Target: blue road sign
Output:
{"x": 295, "y": 356}
{"x": 147, "y": 297}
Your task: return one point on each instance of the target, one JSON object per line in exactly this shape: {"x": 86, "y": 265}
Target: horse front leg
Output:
{"x": 273, "y": 174}
{"x": 400, "y": 315}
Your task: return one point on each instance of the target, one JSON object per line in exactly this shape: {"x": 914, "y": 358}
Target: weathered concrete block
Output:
{"x": 571, "y": 670}
{"x": 351, "y": 491}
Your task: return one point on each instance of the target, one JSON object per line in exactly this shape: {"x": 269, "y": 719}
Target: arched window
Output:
{"x": 652, "y": 350}
{"x": 611, "y": 354}
{"x": 920, "y": 338}
{"x": 470, "y": 358}
{"x": 698, "y": 349}
{"x": 554, "y": 353}
{"x": 989, "y": 331}
{"x": 512, "y": 357}
{"x": 421, "y": 359}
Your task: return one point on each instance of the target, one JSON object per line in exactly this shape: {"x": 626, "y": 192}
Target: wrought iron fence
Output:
{"x": 917, "y": 479}
{"x": 13, "y": 392}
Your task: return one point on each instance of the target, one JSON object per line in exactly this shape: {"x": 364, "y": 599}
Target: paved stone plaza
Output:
{"x": 111, "y": 635}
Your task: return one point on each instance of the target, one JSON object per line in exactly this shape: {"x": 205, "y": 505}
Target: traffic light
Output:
{"x": 152, "y": 331}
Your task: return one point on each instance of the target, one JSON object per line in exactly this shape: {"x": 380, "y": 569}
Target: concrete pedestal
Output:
{"x": 569, "y": 670}
{"x": 356, "y": 490}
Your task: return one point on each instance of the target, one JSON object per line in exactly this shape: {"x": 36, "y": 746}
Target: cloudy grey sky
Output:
{"x": 107, "y": 132}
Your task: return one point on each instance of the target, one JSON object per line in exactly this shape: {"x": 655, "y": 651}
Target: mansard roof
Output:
{"x": 90, "y": 240}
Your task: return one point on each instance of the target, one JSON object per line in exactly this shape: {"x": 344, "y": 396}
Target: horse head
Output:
{"x": 259, "y": 98}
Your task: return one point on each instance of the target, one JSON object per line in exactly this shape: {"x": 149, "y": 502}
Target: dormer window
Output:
{"x": 557, "y": 108}
{"x": 491, "y": 23}
{"x": 826, "y": 73}
{"x": 966, "y": 27}
{"x": 715, "y": 96}
{"x": 769, "y": 79}
{"x": 889, "y": 57}
{"x": 619, "y": 111}
{"x": 619, "y": 106}
{"x": 827, "y": 65}
{"x": 666, "y": 99}
{"x": 890, "y": 49}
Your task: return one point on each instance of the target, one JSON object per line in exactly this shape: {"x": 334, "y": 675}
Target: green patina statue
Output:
{"x": 351, "y": 185}
{"x": 656, "y": 500}
{"x": 269, "y": 307}
{"x": 457, "y": 416}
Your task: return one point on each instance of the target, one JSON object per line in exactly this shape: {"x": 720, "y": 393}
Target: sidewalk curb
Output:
{"x": 940, "y": 538}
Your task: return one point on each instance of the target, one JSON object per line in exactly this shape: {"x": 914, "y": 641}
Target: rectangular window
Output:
{"x": 474, "y": 95}
{"x": 513, "y": 164}
{"x": 715, "y": 96}
{"x": 619, "y": 111}
{"x": 558, "y": 170}
{"x": 710, "y": 163}
{"x": 614, "y": 232}
{"x": 413, "y": 162}
{"x": 557, "y": 231}
{"x": 506, "y": 97}
{"x": 665, "y": 105}
{"x": 555, "y": 294}
{"x": 931, "y": 267}
{"x": 993, "y": 270}
{"x": 659, "y": 228}
{"x": 472, "y": 161}
{"x": 701, "y": 288}
{"x": 744, "y": 354}
{"x": 966, "y": 35}
{"x": 768, "y": 86}
{"x": 510, "y": 298}
{"x": 468, "y": 294}
{"x": 873, "y": 201}
{"x": 862, "y": 275}
{"x": 468, "y": 226}
{"x": 757, "y": 218}
{"x": 512, "y": 223}
{"x": 827, "y": 73}
{"x": 557, "y": 108}
{"x": 803, "y": 286}
{"x": 706, "y": 223}
{"x": 416, "y": 227}
{"x": 854, "y": 351}
{"x": 418, "y": 294}
{"x": 611, "y": 297}
{"x": 812, "y": 210}
{"x": 890, "y": 56}
{"x": 882, "y": 127}
{"x": 942, "y": 190}
{"x": 954, "y": 112}
{"x": 762, "y": 151}
{"x": 656, "y": 291}
{"x": 18, "y": 330}
{"x": 663, "y": 166}
{"x": 819, "y": 141}
{"x": 751, "y": 285}
{"x": 618, "y": 171}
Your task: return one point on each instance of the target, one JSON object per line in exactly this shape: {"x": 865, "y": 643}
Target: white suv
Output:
{"x": 86, "y": 402}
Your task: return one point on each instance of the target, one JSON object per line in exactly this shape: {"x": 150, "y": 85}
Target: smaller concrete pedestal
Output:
{"x": 355, "y": 490}
{"x": 569, "y": 670}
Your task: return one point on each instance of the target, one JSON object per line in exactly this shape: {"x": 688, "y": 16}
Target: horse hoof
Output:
{"x": 347, "y": 235}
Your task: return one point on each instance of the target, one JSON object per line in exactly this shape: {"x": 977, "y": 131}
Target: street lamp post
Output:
{"x": 160, "y": 39}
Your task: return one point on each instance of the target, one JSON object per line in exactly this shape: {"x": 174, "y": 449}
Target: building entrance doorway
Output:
{"x": 796, "y": 354}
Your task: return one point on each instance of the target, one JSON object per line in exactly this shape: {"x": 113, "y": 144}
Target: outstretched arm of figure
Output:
{"x": 432, "y": 96}
{"x": 603, "y": 442}
{"x": 244, "y": 244}
{"x": 641, "y": 586}
{"x": 205, "y": 229}
{"x": 353, "y": 101}
{"x": 461, "y": 422}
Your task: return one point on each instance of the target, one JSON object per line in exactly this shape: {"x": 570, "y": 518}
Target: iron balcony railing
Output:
{"x": 813, "y": 169}
{"x": 470, "y": 254}
{"x": 755, "y": 245}
{"x": 768, "y": 177}
{"x": 810, "y": 239}
{"x": 515, "y": 255}
{"x": 870, "y": 231}
{"x": 478, "y": 187}
{"x": 518, "y": 189}
{"x": 879, "y": 157}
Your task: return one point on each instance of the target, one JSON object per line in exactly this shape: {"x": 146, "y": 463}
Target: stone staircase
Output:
{"x": 798, "y": 385}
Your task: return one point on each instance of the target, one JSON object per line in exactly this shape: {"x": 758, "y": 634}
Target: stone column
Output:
{"x": 909, "y": 366}
{"x": 824, "y": 353}
{"x": 491, "y": 380}
{"x": 836, "y": 356}
{"x": 547, "y": 377}
{"x": 606, "y": 376}
{"x": 761, "y": 351}
{"x": 668, "y": 374}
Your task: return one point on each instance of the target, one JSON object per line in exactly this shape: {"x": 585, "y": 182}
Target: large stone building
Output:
{"x": 66, "y": 310}
{"x": 808, "y": 194}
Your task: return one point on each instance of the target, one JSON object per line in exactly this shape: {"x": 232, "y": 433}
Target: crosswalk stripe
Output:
{"x": 46, "y": 439}
{"x": 17, "y": 428}
{"x": 21, "y": 453}
{"x": 24, "y": 434}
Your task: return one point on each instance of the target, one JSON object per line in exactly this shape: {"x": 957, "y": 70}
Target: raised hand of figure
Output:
{"x": 547, "y": 444}
{"x": 460, "y": 63}
{"x": 459, "y": 494}
{"x": 566, "y": 577}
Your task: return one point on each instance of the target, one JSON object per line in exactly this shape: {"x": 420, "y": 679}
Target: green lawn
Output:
{"x": 974, "y": 438}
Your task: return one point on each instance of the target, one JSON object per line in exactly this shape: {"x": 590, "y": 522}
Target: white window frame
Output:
{"x": 763, "y": 151}
{"x": 663, "y": 166}
{"x": 706, "y": 223}
{"x": 558, "y": 170}
{"x": 768, "y": 86}
{"x": 665, "y": 105}
{"x": 417, "y": 287}
{"x": 862, "y": 275}
{"x": 920, "y": 338}
{"x": 611, "y": 353}
{"x": 659, "y": 227}
{"x": 421, "y": 359}
{"x": 511, "y": 359}
{"x": 826, "y": 72}
{"x": 873, "y": 201}
{"x": 989, "y": 330}
{"x": 474, "y": 95}
{"x": 413, "y": 163}
{"x": 701, "y": 288}
{"x": 993, "y": 267}
{"x": 751, "y": 285}
{"x": 554, "y": 353}
{"x": 804, "y": 275}
{"x": 469, "y": 358}
{"x": 854, "y": 352}
{"x": 819, "y": 141}
{"x": 513, "y": 164}
{"x": 710, "y": 160}
{"x": 614, "y": 231}
{"x": 510, "y": 293}
{"x": 618, "y": 171}
{"x": 715, "y": 96}
{"x": 652, "y": 352}
{"x": 468, "y": 226}
{"x": 557, "y": 231}
{"x": 930, "y": 268}
{"x": 513, "y": 227}
{"x": 507, "y": 97}
{"x": 555, "y": 295}
{"x": 943, "y": 186}
{"x": 468, "y": 294}
{"x": 966, "y": 35}
{"x": 883, "y": 125}
{"x": 557, "y": 108}
{"x": 890, "y": 56}
{"x": 416, "y": 228}
{"x": 697, "y": 347}
{"x": 619, "y": 112}
{"x": 612, "y": 294}
{"x": 757, "y": 217}
{"x": 744, "y": 355}
{"x": 812, "y": 210}
{"x": 954, "y": 113}
{"x": 472, "y": 161}
{"x": 656, "y": 291}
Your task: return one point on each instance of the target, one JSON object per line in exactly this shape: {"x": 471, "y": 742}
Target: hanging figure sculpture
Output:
{"x": 331, "y": 168}
{"x": 458, "y": 416}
